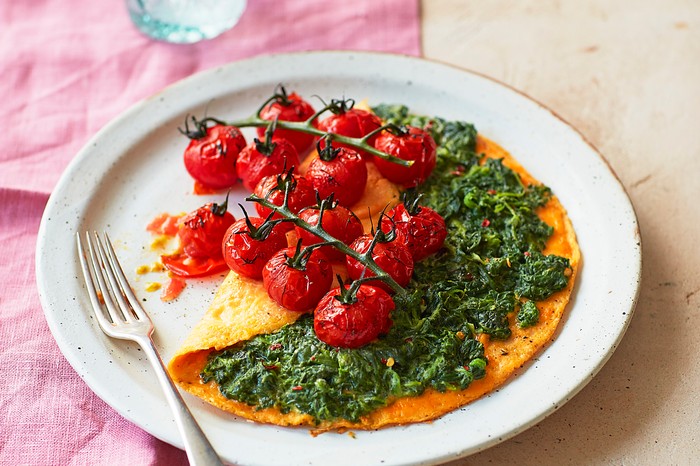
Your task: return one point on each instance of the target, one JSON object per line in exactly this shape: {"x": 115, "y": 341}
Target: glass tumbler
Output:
{"x": 185, "y": 21}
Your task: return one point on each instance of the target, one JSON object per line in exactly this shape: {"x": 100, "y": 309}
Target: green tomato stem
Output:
{"x": 365, "y": 258}
{"x": 308, "y": 128}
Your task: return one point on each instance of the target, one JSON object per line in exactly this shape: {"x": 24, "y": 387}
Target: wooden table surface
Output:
{"x": 627, "y": 75}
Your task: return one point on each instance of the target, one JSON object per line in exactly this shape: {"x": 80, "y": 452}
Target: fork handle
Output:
{"x": 199, "y": 450}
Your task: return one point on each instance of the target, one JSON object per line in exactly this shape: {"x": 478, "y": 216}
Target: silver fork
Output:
{"x": 121, "y": 316}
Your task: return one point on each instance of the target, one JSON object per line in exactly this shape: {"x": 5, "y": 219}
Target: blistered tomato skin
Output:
{"x": 253, "y": 165}
{"x": 354, "y": 123}
{"x": 271, "y": 188}
{"x": 293, "y": 109}
{"x": 201, "y": 231}
{"x": 246, "y": 255}
{"x": 184, "y": 266}
{"x": 416, "y": 145}
{"x": 344, "y": 176}
{"x": 298, "y": 290}
{"x": 355, "y": 324}
{"x": 392, "y": 257}
{"x": 211, "y": 159}
{"x": 423, "y": 233}
{"x": 339, "y": 222}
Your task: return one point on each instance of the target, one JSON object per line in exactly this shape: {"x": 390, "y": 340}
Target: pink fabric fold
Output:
{"x": 67, "y": 67}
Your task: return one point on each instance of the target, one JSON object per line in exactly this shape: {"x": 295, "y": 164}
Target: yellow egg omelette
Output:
{"x": 241, "y": 310}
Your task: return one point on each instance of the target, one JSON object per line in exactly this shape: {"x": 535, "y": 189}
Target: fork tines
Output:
{"x": 111, "y": 296}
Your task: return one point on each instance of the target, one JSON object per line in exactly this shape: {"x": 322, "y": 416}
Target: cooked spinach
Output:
{"x": 528, "y": 315}
{"x": 292, "y": 369}
{"x": 491, "y": 261}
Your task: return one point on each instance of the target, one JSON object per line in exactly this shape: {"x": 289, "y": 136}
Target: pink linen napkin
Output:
{"x": 67, "y": 67}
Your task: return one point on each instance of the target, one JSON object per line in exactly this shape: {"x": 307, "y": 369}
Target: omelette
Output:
{"x": 498, "y": 344}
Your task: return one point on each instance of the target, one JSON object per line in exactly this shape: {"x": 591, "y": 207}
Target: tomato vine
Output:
{"x": 308, "y": 127}
{"x": 289, "y": 216}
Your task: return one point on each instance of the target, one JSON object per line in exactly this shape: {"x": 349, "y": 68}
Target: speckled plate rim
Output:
{"x": 105, "y": 186}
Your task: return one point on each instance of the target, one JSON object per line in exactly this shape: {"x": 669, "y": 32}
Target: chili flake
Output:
{"x": 458, "y": 171}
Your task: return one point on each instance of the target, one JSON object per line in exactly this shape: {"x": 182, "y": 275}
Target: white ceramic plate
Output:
{"x": 132, "y": 170}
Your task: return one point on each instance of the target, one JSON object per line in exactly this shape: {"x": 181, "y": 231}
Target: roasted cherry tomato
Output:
{"x": 348, "y": 121}
{"x": 338, "y": 171}
{"x": 272, "y": 188}
{"x": 352, "y": 322}
{"x": 339, "y": 222}
{"x": 414, "y": 144}
{"x": 210, "y": 157}
{"x": 419, "y": 228}
{"x": 296, "y": 278}
{"x": 260, "y": 159}
{"x": 249, "y": 243}
{"x": 289, "y": 107}
{"x": 201, "y": 231}
{"x": 391, "y": 256}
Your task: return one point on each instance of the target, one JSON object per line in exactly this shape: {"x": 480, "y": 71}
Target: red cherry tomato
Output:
{"x": 416, "y": 145}
{"x": 392, "y": 257}
{"x": 339, "y": 222}
{"x": 260, "y": 159}
{"x": 201, "y": 231}
{"x": 354, "y": 324}
{"x": 341, "y": 172}
{"x": 297, "y": 286}
{"x": 210, "y": 157}
{"x": 423, "y": 231}
{"x": 353, "y": 122}
{"x": 289, "y": 108}
{"x": 247, "y": 248}
{"x": 272, "y": 188}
